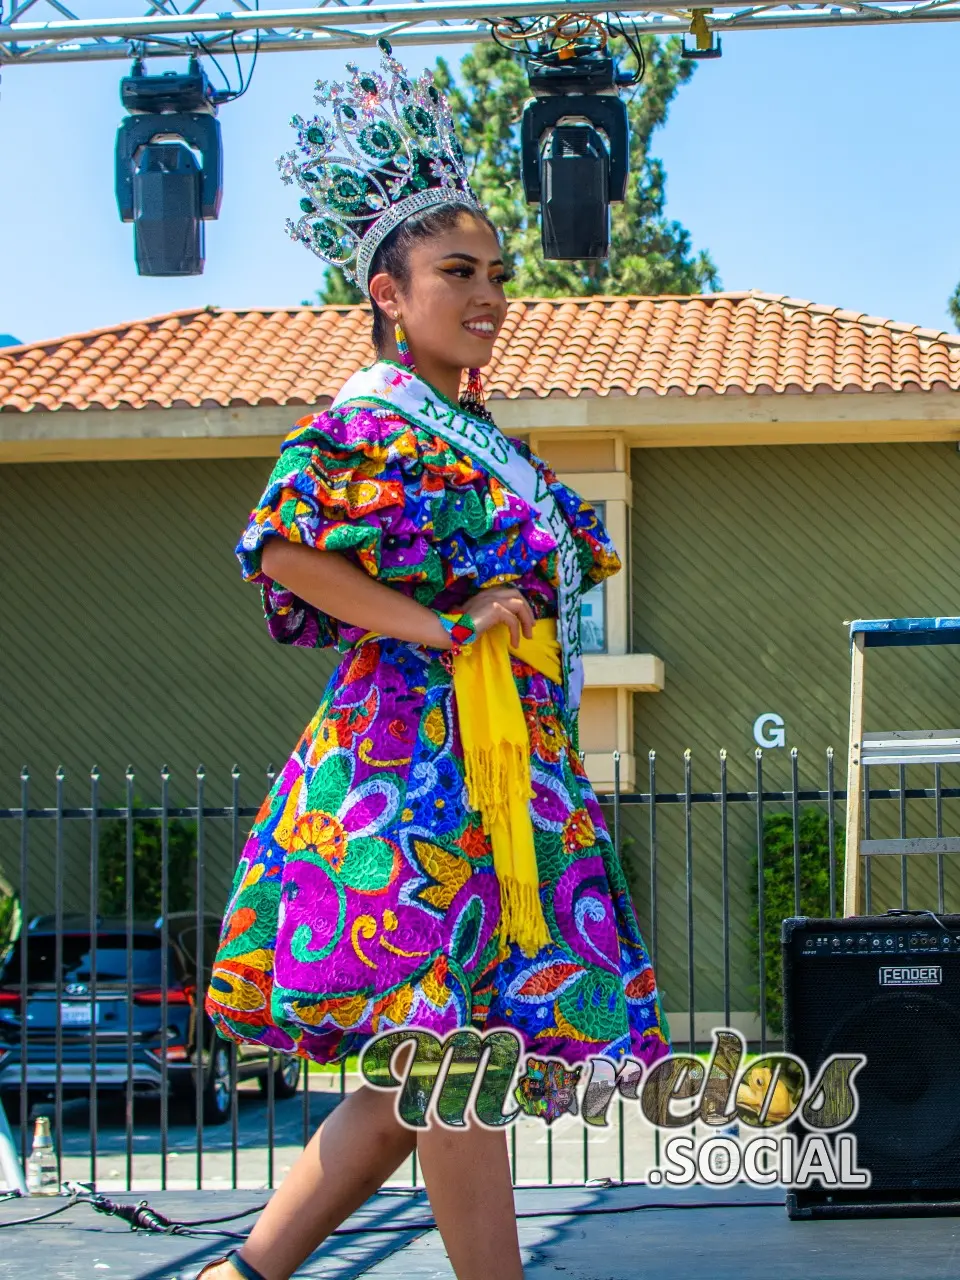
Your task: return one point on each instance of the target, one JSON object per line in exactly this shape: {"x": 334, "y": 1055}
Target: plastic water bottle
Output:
{"x": 42, "y": 1176}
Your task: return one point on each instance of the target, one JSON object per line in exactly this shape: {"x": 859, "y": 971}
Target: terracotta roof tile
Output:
{"x": 725, "y": 343}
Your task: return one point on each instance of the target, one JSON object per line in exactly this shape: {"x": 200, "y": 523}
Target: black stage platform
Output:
{"x": 748, "y": 1241}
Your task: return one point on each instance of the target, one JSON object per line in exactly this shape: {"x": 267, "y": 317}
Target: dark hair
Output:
{"x": 393, "y": 256}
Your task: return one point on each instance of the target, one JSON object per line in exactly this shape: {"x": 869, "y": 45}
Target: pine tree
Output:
{"x": 649, "y": 253}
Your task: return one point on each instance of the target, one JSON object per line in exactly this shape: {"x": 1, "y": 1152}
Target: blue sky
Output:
{"x": 819, "y": 164}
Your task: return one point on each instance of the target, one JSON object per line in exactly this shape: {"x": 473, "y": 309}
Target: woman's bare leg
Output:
{"x": 467, "y": 1173}
{"x": 353, "y": 1152}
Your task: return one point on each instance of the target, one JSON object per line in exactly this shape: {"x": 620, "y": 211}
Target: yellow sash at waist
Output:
{"x": 496, "y": 755}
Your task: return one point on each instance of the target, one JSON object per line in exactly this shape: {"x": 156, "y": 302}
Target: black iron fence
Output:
{"x": 111, "y": 914}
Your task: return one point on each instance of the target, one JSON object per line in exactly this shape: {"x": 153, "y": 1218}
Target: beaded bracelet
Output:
{"x": 459, "y": 627}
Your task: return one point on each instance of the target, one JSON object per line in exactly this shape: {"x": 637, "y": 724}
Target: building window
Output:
{"x": 593, "y": 609}
{"x": 593, "y": 620}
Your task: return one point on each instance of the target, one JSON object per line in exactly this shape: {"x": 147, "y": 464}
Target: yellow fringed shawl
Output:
{"x": 496, "y": 753}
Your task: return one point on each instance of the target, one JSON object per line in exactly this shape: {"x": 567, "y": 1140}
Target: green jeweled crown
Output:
{"x": 386, "y": 150}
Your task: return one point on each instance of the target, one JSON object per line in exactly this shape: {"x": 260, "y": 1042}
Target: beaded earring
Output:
{"x": 402, "y": 349}
{"x": 472, "y": 399}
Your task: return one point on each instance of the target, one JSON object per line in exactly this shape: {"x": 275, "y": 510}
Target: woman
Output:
{"x": 432, "y": 855}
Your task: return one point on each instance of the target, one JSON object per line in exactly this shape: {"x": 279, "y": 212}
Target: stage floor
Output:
{"x": 747, "y": 1241}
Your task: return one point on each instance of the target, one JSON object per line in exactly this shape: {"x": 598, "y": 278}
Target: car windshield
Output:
{"x": 111, "y": 959}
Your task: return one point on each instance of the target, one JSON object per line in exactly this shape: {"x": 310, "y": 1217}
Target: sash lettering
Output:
{"x": 397, "y": 388}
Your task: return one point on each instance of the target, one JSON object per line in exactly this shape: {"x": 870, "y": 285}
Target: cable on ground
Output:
{"x": 140, "y": 1216}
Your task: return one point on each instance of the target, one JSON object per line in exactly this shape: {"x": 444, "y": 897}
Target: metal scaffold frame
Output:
{"x": 162, "y": 31}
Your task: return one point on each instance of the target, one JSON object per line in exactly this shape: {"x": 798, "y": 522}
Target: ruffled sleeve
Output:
{"x": 412, "y": 512}
{"x": 339, "y": 484}
{"x": 596, "y": 553}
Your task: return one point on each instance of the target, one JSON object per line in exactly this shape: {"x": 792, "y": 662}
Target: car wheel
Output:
{"x": 218, "y": 1086}
{"x": 286, "y": 1078}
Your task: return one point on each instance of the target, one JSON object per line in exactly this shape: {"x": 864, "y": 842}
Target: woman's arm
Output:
{"x": 328, "y": 581}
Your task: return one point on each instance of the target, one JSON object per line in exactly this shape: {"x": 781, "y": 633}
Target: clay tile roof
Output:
{"x": 721, "y": 343}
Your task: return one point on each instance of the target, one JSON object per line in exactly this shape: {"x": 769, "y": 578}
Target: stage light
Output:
{"x": 575, "y": 150}
{"x": 169, "y": 167}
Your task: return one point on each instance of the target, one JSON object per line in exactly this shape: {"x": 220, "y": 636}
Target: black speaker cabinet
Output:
{"x": 887, "y": 987}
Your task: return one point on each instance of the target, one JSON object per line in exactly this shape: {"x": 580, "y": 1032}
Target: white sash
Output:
{"x": 398, "y": 388}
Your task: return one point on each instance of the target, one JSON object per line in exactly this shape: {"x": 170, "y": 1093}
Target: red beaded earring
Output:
{"x": 472, "y": 399}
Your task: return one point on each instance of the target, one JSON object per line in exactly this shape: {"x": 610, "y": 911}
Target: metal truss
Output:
{"x": 36, "y": 31}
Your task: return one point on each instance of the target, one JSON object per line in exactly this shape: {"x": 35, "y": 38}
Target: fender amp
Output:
{"x": 887, "y": 987}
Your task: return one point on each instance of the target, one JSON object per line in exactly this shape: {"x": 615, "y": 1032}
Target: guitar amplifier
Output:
{"x": 887, "y": 987}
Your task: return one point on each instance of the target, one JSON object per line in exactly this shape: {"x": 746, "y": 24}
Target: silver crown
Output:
{"x": 386, "y": 150}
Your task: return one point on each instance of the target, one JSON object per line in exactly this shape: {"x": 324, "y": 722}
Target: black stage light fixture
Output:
{"x": 575, "y": 150}
{"x": 169, "y": 167}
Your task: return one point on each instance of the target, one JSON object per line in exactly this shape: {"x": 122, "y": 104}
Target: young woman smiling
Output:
{"x": 387, "y": 882}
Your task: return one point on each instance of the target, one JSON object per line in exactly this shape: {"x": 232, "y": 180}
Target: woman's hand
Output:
{"x": 494, "y": 605}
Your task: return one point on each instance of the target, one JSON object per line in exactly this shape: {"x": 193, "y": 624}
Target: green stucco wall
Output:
{"x": 127, "y": 636}
{"x": 745, "y": 565}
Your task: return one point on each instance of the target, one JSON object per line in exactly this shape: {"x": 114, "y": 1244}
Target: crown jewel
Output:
{"x": 385, "y": 150}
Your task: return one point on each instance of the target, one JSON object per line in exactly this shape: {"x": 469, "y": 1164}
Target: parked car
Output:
{"x": 105, "y": 1017}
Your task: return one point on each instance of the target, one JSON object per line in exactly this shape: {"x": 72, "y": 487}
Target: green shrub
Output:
{"x": 181, "y": 855}
{"x": 11, "y": 919}
{"x": 778, "y": 898}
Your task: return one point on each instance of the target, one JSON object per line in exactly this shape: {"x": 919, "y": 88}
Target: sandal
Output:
{"x": 238, "y": 1264}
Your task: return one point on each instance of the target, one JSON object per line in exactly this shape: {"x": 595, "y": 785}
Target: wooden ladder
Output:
{"x": 922, "y": 746}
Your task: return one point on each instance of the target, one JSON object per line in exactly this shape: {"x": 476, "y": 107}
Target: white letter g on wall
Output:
{"x": 768, "y": 730}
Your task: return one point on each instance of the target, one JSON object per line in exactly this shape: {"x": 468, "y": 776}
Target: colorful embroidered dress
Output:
{"x": 366, "y": 899}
